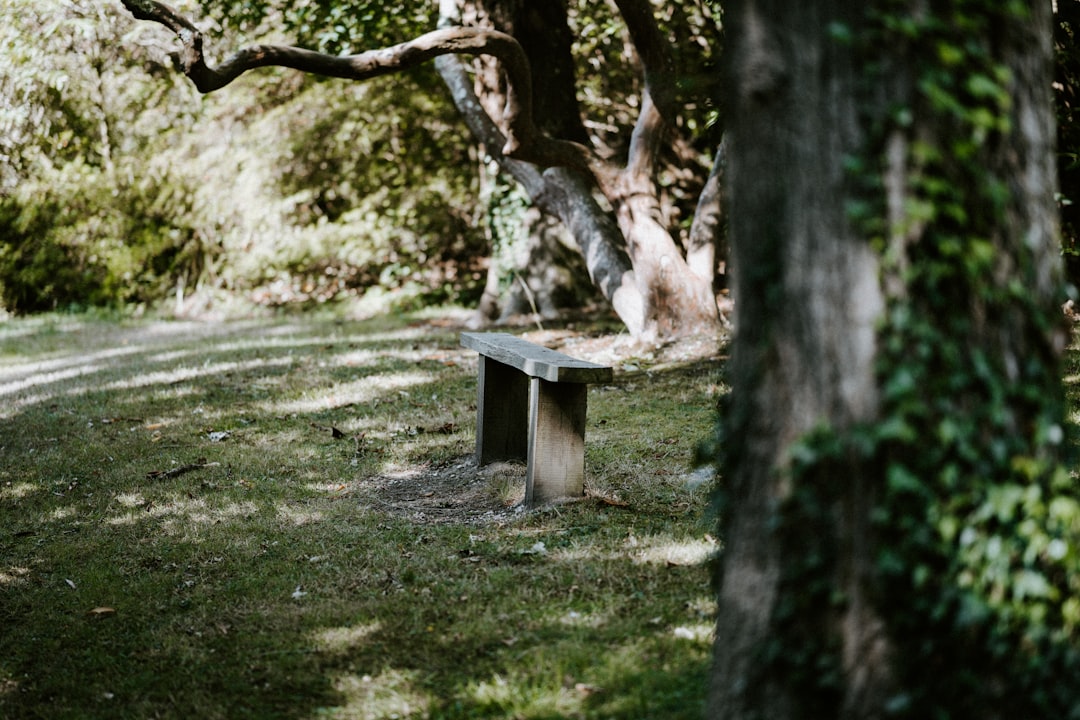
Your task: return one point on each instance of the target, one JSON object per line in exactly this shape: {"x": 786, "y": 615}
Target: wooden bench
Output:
{"x": 531, "y": 406}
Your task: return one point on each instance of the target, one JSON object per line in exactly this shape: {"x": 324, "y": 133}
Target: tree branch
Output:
{"x": 523, "y": 140}
{"x": 655, "y": 53}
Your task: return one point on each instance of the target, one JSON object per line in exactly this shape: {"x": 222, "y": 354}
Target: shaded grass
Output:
{"x": 191, "y": 526}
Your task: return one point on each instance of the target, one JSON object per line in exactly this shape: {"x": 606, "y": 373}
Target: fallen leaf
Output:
{"x": 102, "y": 611}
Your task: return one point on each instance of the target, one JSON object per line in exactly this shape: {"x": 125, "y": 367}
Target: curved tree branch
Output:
{"x": 652, "y": 48}
{"x": 523, "y": 140}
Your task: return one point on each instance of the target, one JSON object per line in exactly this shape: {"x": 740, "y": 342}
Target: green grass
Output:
{"x": 182, "y": 535}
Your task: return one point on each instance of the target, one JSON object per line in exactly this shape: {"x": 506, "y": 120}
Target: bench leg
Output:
{"x": 556, "y": 441}
{"x": 502, "y": 413}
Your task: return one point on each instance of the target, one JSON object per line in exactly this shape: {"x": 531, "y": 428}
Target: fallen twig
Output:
{"x": 177, "y": 471}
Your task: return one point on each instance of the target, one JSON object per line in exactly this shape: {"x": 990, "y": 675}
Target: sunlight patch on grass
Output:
{"x": 42, "y": 372}
{"x": 364, "y": 390}
{"x": 17, "y": 491}
{"x": 61, "y": 513}
{"x": 402, "y": 471}
{"x": 134, "y": 517}
{"x": 331, "y": 488}
{"x": 344, "y": 639}
{"x": 131, "y": 500}
{"x": 575, "y": 618}
{"x": 649, "y": 550}
{"x": 686, "y": 552}
{"x": 38, "y": 379}
{"x": 517, "y": 699}
{"x": 390, "y": 694}
{"x": 298, "y": 516}
{"x": 184, "y": 373}
{"x": 697, "y": 633}
{"x": 221, "y": 514}
{"x": 260, "y": 345}
{"x": 703, "y": 606}
{"x": 13, "y": 576}
{"x": 167, "y": 378}
{"x": 182, "y": 517}
{"x": 354, "y": 358}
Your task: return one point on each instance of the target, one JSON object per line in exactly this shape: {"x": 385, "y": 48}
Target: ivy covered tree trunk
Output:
{"x": 900, "y": 539}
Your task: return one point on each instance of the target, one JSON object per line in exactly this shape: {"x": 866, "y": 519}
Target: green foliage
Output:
{"x": 39, "y": 273}
{"x": 329, "y": 26}
{"x": 382, "y": 178}
{"x": 975, "y": 523}
{"x": 121, "y": 185}
{"x": 75, "y": 236}
{"x": 86, "y": 219}
{"x": 972, "y": 439}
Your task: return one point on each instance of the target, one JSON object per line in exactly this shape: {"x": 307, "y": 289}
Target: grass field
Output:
{"x": 280, "y": 518}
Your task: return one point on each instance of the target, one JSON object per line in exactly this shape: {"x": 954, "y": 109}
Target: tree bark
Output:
{"x": 544, "y": 276}
{"x": 706, "y": 245}
{"x": 818, "y": 295}
{"x": 806, "y": 304}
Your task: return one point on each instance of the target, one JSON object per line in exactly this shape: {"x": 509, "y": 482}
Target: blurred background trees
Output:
{"x": 119, "y": 185}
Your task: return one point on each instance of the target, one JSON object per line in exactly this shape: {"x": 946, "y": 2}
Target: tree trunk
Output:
{"x": 543, "y": 277}
{"x": 854, "y": 190}
{"x": 706, "y": 244}
{"x": 806, "y": 304}
{"x": 672, "y": 300}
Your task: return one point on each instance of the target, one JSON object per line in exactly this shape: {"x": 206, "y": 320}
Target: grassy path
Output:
{"x": 280, "y": 519}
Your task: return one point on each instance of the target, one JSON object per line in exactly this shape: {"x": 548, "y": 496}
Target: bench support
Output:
{"x": 502, "y": 413}
{"x": 556, "y": 441}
